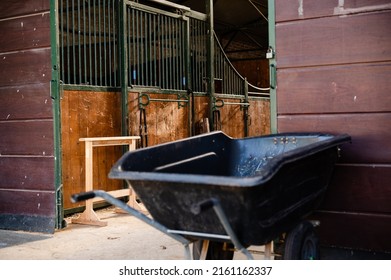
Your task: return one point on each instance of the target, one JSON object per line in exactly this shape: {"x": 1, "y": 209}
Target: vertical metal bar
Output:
{"x": 178, "y": 73}
{"x": 104, "y": 10}
{"x": 189, "y": 81}
{"x": 90, "y": 76}
{"x": 101, "y": 78}
{"x": 211, "y": 82}
{"x": 133, "y": 48}
{"x": 115, "y": 61}
{"x": 79, "y": 43}
{"x": 124, "y": 66}
{"x": 170, "y": 47}
{"x": 150, "y": 46}
{"x": 198, "y": 74}
{"x": 165, "y": 54}
{"x": 142, "y": 50}
{"x": 68, "y": 46}
{"x": 131, "y": 45}
{"x": 61, "y": 39}
{"x": 155, "y": 51}
{"x": 245, "y": 90}
{"x": 84, "y": 44}
{"x": 109, "y": 42}
{"x": 73, "y": 43}
{"x": 137, "y": 58}
{"x": 95, "y": 47}
{"x": 160, "y": 35}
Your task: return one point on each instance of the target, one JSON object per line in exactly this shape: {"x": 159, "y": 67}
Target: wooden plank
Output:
{"x": 288, "y": 10}
{"x": 259, "y": 121}
{"x": 165, "y": 121}
{"x": 334, "y": 40}
{"x": 25, "y": 102}
{"x": 293, "y": 10}
{"x": 34, "y": 202}
{"x": 25, "y": 33}
{"x": 27, "y": 173}
{"x": 359, "y": 188}
{"x": 12, "y": 8}
{"x": 89, "y": 114}
{"x": 232, "y": 118}
{"x": 26, "y": 137}
{"x": 370, "y": 133}
{"x": 335, "y": 89}
{"x": 355, "y": 230}
{"x": 25, "y": 67}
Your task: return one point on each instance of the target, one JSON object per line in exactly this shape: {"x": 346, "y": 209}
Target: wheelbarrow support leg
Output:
{"x": 116, "y": 202}
{"x": 215, "y": 203}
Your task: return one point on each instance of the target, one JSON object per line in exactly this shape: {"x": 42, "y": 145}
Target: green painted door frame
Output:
{"x": 55, "y": 95}
{"x": 272, "y": 66}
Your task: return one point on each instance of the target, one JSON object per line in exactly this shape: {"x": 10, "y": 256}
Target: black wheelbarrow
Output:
{"x": 233, "y": 193}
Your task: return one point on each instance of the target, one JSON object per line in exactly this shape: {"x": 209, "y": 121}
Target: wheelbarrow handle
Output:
{"x": 83, "y": 196}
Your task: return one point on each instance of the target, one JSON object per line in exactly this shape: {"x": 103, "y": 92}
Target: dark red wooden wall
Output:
{"x": 27, "y": 198}
{"x": 333, "y": 75}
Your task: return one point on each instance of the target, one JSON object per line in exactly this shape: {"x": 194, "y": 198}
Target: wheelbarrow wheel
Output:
{"x": 216, "y": 250}
{"x": 301, "y": 243}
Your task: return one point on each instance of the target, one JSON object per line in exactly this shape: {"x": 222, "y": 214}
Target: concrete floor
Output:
{"x": 124, "y": 238}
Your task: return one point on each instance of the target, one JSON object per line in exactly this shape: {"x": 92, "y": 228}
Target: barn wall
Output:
{"x": 27, "y": 198}
{"x": 334, "y": 71}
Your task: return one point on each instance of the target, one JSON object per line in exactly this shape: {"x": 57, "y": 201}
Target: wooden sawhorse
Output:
{"x": 89, "y": 216}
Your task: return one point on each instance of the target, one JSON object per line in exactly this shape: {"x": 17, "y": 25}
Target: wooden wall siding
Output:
{"x": 29, "y": 137}
{"x": 333, "y": 73}
{"x": 88, "y": 114}
{"x": 364, "y": 231}
{"x": 12, "y": 8}
{"x": 370, "y": 133}
{"x": 289, "y": 10}
{"x": 33, "y": 101}
{"x": 334, "y": 40}
{"x": 335, "y": 89}
{"x": 361, "y": 191}
{"x": 27, "y": 202}
{"x": 25, "y": 33}
{"x": 27, "y": 196}
{"x": 25, "y": 67}
{"x": 17, "y": 174}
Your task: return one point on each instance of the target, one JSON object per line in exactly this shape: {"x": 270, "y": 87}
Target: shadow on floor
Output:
{"x": 12, "y": 238}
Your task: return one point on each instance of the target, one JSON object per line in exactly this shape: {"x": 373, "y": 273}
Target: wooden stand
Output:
{"x": 89, "y": 216}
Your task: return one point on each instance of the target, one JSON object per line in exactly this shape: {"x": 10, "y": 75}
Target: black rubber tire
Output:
{"x": 216, "y": 250}
{"x": 301, "y": 243}
{"x": 310, "y": 247}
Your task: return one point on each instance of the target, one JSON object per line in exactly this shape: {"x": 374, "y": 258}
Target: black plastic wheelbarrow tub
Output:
{"x": 265, "y": 185}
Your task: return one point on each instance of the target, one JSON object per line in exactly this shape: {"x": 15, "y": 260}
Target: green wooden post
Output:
{"x": 273, "y": 67}
{"x": 55, "y": 95}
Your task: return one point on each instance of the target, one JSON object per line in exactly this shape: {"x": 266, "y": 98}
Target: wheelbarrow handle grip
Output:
{"x": 82, "y": 196}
